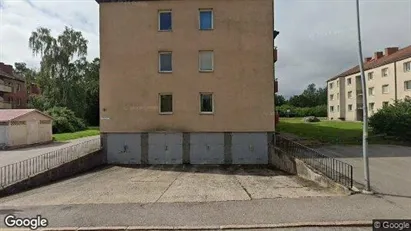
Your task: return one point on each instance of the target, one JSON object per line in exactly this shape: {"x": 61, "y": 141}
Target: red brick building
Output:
{"x": 13, "y": 90}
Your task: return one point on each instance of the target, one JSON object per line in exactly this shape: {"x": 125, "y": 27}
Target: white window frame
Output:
{"x": 212, "y": 103}
{"x": 405, "y": 85}
{"x": 331, "y": 85}
{"x": 349, "y": 81}
{"x": 338, "y": 96}
{"x": 388, "y": 103}
{"x": 350, "y": 107}
{"x": 382, "y": 89}
{"x": 159, "y": 103}
{"x": 338, "y": 108}
{"x": 348, "y": 95}
{"x": 159, "y": 61}
{"x": 371, "y": 92}
{"x": 331, "y": 108}
{"x": 407, "y": 66}
{"x": 371, "y": 108}
{"x": 199, "y": 60}
{"x": 338, "y": 83}
{"x": 332, "y": 97}
{"x": 199, "y": 18}
{"x": 159, "y": 21}
{"x": 384, "y": 71}
{"x": 370, "y": 74}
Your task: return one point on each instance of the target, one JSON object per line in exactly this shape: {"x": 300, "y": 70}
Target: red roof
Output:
{"x": 402, "y": 54}
{"x": 7, "y": 115}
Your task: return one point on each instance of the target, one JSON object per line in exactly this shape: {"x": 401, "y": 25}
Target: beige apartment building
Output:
{"x": 388, "y": 78}
{"x": 187, "y": 81}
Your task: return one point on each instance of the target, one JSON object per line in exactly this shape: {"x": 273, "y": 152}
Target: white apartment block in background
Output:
{"x": 388, "y": 78}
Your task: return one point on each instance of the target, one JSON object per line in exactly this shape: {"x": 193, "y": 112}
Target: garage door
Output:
{"x": 165, "y": 148}
{"x": 32, "y": 132}
{"x": 124, "y": 148}
{"x": 207, "y": 148}
{"x": 249, "y": 148}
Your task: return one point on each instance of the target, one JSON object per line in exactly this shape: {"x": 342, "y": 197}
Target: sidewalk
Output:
{"x": 355, "y": 208}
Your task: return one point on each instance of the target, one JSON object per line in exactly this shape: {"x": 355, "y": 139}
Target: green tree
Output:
{"x": 279, "y": 100}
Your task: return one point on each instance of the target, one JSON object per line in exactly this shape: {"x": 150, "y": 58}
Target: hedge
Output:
{"x": 318, "y": 111}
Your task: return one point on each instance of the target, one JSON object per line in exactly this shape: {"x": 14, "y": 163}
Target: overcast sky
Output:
{"x": 317, "y": 37}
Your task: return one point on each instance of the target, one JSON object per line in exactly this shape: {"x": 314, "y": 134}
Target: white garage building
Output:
{"x": 22, "y": 127}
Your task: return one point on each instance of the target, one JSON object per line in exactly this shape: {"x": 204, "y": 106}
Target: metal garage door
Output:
{"x": 207, "y": 148}
{"x": 249, "y": 148}
{"x": 165, "y": 148}
{"x": 124, "y": 148}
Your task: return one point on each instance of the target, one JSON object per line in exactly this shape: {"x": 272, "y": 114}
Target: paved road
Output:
{"x": 263, "y": 211}
{"x": 390, "y": 166}
{"x": 13, "y": 156}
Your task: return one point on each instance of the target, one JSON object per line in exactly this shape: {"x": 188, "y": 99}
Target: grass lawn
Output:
{"x": 324, "y": 131}
{"x": 91, "y": 131}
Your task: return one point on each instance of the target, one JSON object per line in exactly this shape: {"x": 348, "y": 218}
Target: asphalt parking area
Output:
{"x": 166, "y": 184}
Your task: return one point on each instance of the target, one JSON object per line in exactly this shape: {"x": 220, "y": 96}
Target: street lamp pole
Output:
{"x": 365, "y": 108}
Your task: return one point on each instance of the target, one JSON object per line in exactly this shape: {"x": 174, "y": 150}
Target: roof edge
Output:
{"x": 34, "y": 110}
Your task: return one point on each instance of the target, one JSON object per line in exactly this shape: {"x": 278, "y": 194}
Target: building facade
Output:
{"x": 388, "y": 78}
{"x": 187, "y": 81}
{"x": 14, "y": 92}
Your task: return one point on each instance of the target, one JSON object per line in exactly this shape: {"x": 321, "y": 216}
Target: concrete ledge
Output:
{"x": 223, "y": 227}
{"x": 297, "y": 167}
{"x": 26, "y": 145}
{"x": 65, "y": 170}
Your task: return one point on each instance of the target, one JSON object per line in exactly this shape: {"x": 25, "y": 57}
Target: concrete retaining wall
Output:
{"x": 80, "y": 165}
{"x": 295, "y": 166}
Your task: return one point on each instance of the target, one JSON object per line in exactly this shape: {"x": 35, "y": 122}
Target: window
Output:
{"x": 338, "y": 83}
{"x": 206, "y": 103}
{"x": 165, "y": 62}
{"x": 350, "y": 94}
{"x": 164, "y": 20}
{"x": 338, "y": 96}
{"x": 206, "y": 60}
{"x": 18, "y": 101}
{"x": 338, "y": 108}
{"x": 385, "y": 89}
{"x": 371, "y": 106}
{"x": 384, "y": 72}
{"x": 206, "y": 19}
{"x": 331, "y": 97}
{"x": 407, "y": 85}
{"x": 371, "y": 91}
{"x": 385, "y": 104}
{"x": 331, "y": 108}
{"x": 166, "y": 103}
{"x": 349, "y": 107}
{"x": 370, "y": 76}
{"x": 331, "y": 85}
{"x": 349, "y": 81}
{"x": 407, "y": 66}
{"x": 18, "y": 87}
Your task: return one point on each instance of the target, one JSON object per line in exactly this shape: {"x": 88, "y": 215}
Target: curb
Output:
{"x": 216, "y": 227}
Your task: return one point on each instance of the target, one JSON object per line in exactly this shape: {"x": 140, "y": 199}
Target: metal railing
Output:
{"x": 13, "y": 173}
{"x": 336, "y": 170}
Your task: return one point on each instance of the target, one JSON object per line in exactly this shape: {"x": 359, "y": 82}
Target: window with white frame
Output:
{"x": 407, "y": 66}
{"x": 384, "y": 72}
{"x": 206, "y": 61}
{"x": 407, "y": 85}
{"x": 370, "y": 76}
{"x": 206, "y": 103}
{"x": 206, "y": 19}
{"x": 338, "y": 108}
{"x": 385, "y": 89}
{"x": 349, "y": 81}
{"x": 166, "y": 103}
{"x": 338, "y": 96}
{"x": 371, "y": 91}
{"x": 165, "y": 20}
{"x": 349, "y": 94}
{"x": 332, "y": 97}
{"x": 371, "y": 106}
{"x": 385, "y": 104}
{"x": 349, "y": 107}
{"x": 331, "y": 108}
{"x": 165, "y": 61}
{"x": 338, "y": 83}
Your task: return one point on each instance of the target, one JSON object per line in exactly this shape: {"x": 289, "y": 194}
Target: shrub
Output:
{"x": 311, "y": 119}
{"x": 318, "y": 111}
{"x": 393, "y": 120}
{"x": 64, "y": 120}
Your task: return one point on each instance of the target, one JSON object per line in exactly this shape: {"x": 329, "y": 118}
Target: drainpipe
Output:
{"x": 395, "y": 82}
